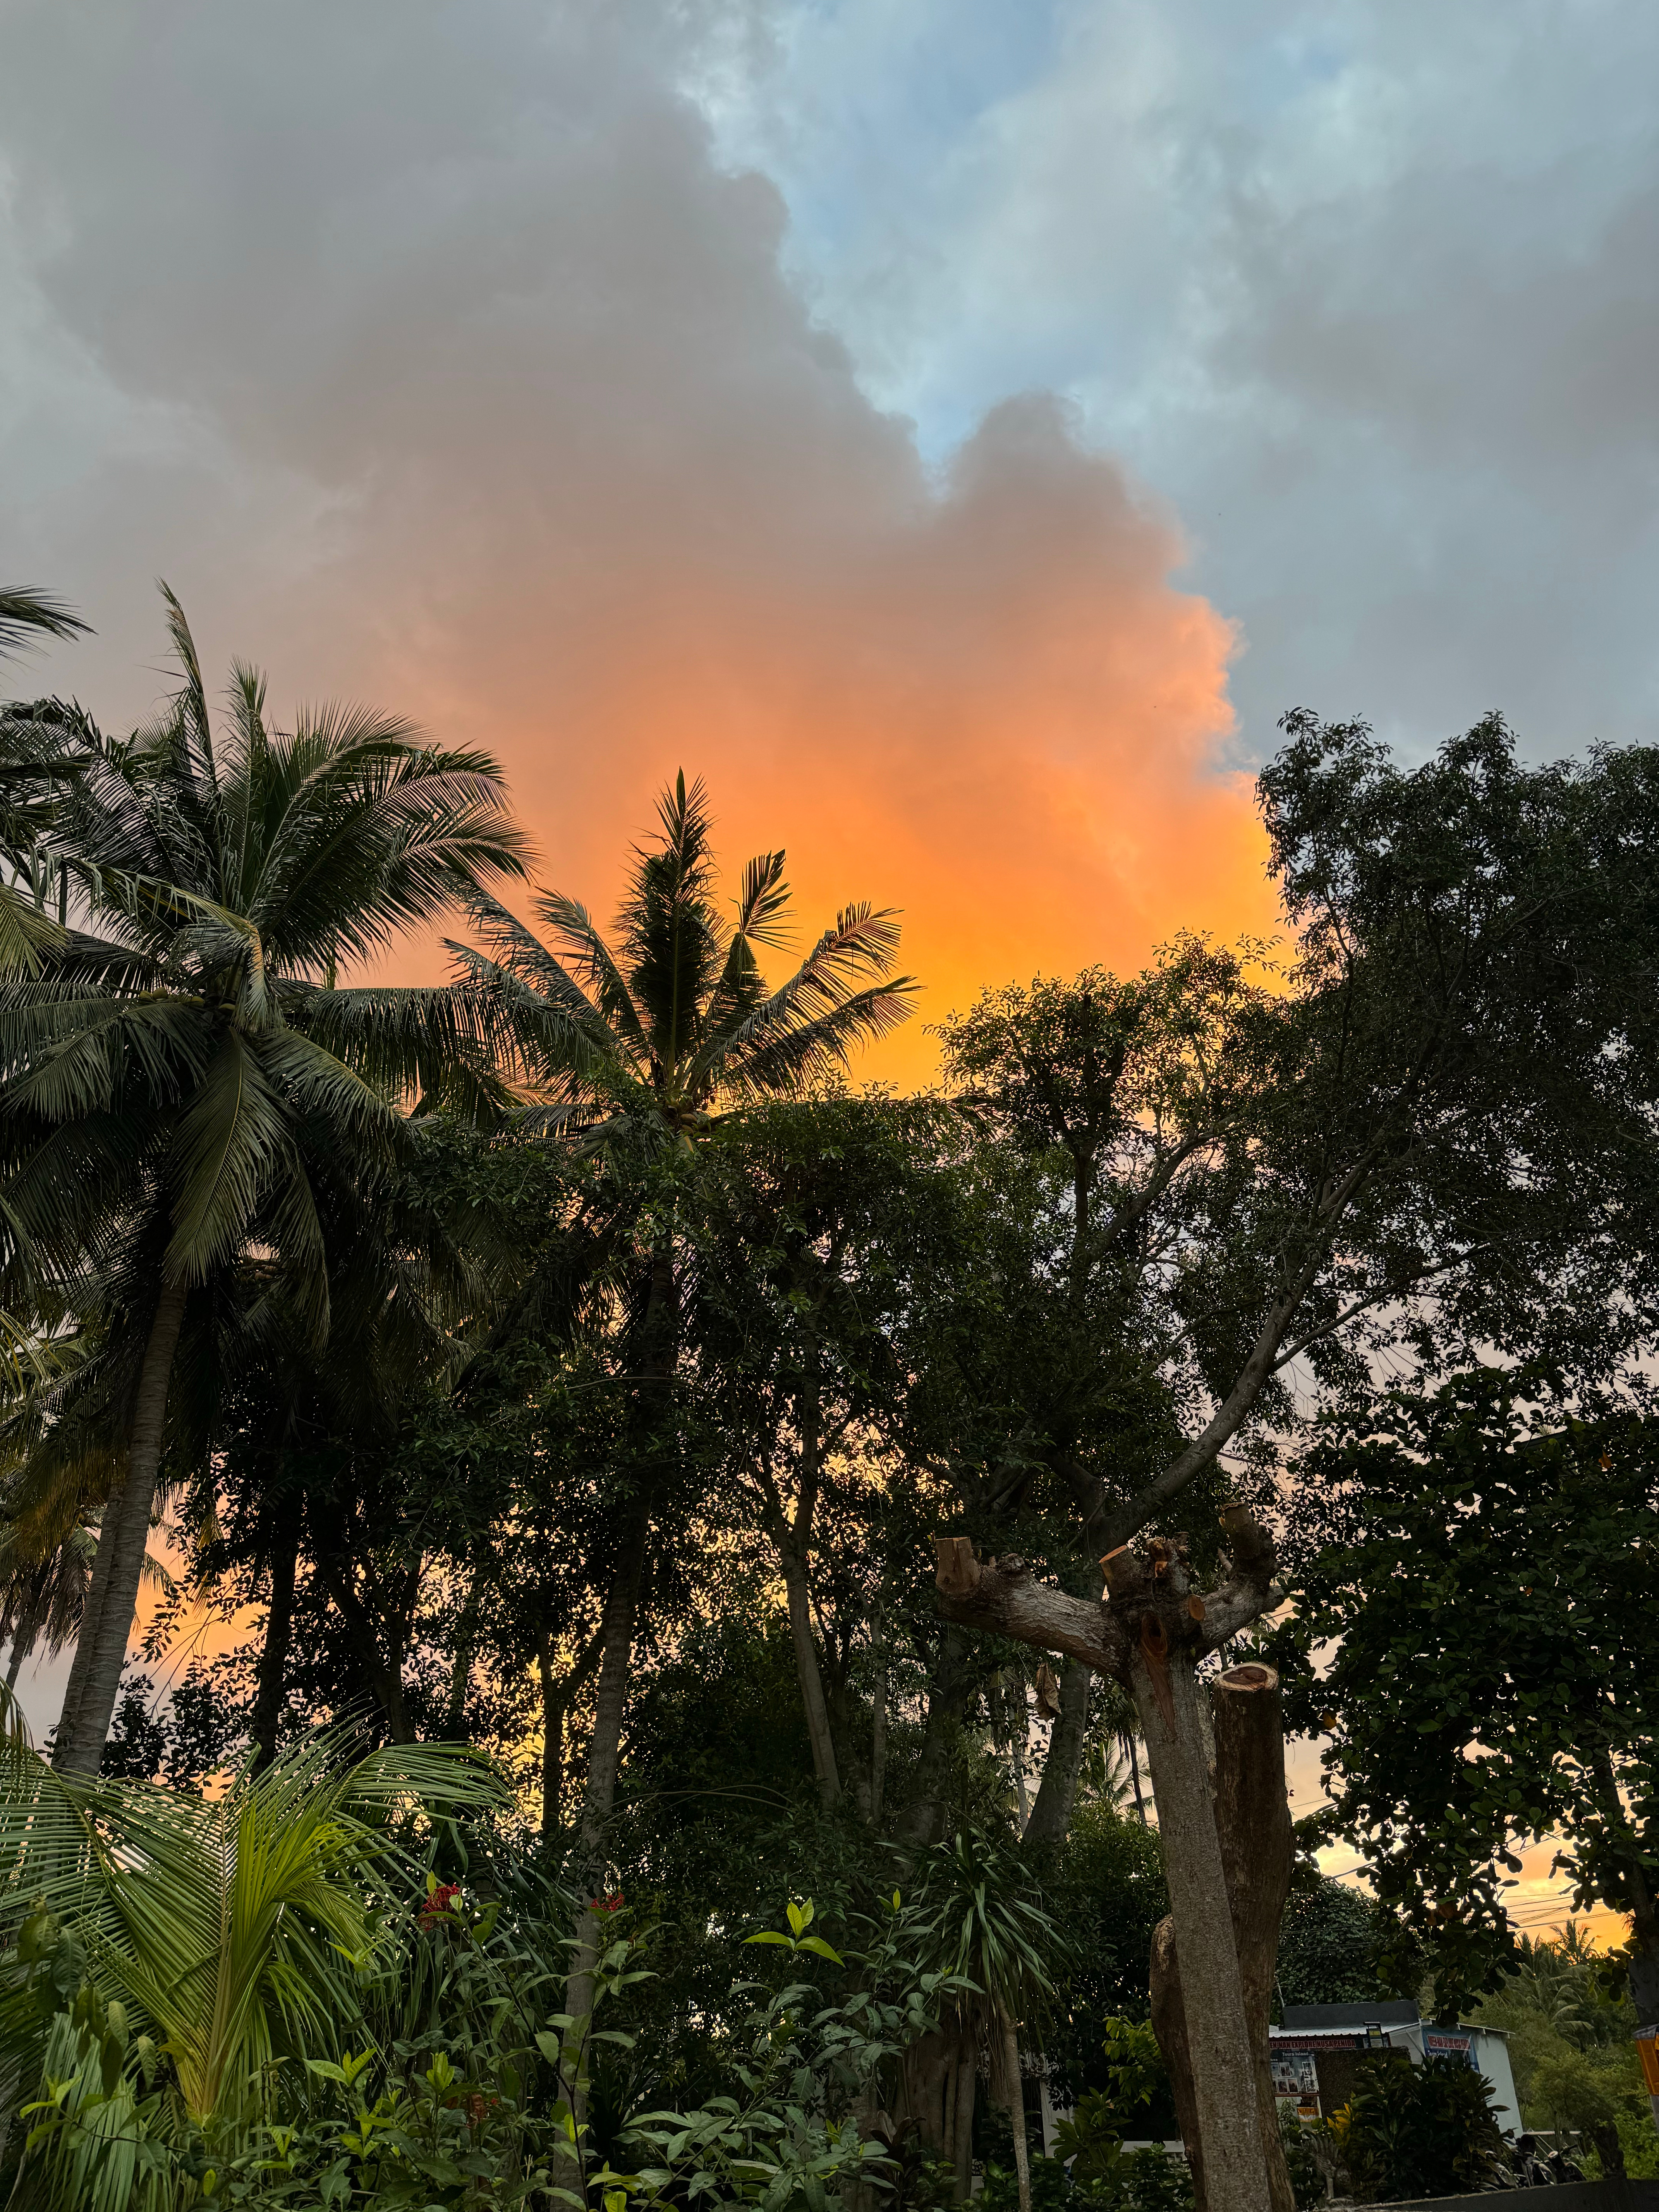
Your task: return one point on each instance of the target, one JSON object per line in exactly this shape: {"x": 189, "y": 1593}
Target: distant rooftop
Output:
{"x": 1380, "y": 2012}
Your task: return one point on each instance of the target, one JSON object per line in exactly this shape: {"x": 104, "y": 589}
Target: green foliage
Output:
{"x": 1570, "y": 2026}
{"x": 1425, "y": 2130}
{"x": 1328, "y": 1941}
{"x": 1301, "y": 2159}
{"x": 1145, "y": 2180}
{"x": 1480, "y": 1565}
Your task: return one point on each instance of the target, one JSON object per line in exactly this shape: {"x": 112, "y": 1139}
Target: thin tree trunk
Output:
{"x": 1227, "y": 2126}
{"x": 1643, "y": 1970}
{"x": 1016, "y": 2109}
{"x": 1056, "y": 1797}
{"x": 385, "y": 1675}
{"x": 279, "y": 1633}
{"x": 552, "y": 1741}
{"x": 811, "y": 1676}
{"x": 460, "y": 1673}
{"x": 878, "y": 1721}
{"x": 124, "y": 1533}
{"x": 558, "y": 1695}
{"x": 962, "y": 2119}
{"x": 1018, "y": 1725}
{"x": 22, "y": 1640}
{"x": 946, "y": 1697}
{"x": 1134, "y": 1773}
{"x": 605, "y": 1750}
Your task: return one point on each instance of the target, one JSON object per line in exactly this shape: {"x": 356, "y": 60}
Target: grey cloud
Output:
{"x": 1370, "y": 287}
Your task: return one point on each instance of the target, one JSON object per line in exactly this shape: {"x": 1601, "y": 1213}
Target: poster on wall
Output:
{"x": 1448, "y": 2043}
{"x": 1295, "y": 2075}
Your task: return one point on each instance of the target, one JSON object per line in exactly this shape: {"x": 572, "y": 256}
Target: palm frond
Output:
{"x": 27, "y": 613}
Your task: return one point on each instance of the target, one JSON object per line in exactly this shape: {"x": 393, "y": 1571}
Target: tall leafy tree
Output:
{"x": 183, "y": 1083}
{"x": 1445, "y": 1140}
{"x": 643, "y": 1051}
{"x": 1478, "y": 1563}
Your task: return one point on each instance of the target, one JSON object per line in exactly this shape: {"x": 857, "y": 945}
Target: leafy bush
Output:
{"x": 1145, "y": 2180}
{"x": 1425, "y": 2130}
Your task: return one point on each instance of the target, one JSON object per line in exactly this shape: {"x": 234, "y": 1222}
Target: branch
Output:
{"x": 1001, "y": 1598}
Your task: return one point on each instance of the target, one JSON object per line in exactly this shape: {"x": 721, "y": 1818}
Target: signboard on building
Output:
{"x": 1295, "y": 2075}
{"x": 1448, "y": 2043}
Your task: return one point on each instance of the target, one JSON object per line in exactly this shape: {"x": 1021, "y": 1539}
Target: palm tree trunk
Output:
{"x": 810, "y": 1675}
{"x": 101, "y": 1649}
{"x": 279, "y": 1634}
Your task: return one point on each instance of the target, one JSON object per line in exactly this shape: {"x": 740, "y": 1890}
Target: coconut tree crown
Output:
{"x": 677, "y": 1024}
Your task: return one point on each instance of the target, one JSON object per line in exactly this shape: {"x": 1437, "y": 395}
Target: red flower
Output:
{"x": 611, "y": 1903}
{"x": 439, "y": 1904}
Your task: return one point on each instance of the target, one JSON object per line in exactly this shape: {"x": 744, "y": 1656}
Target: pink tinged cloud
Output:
{"x": 563, "y": 464}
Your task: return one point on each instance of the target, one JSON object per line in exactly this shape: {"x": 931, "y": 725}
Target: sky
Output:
{"x": 957, "y": 429}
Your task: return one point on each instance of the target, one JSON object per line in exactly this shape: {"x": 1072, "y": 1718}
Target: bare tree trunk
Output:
{"x": 1056, "y": 1797}
{"x": 810, "y": 1675}
{"x": 878, "y": 1721}
{"x": 24, "y": 1632}
{"x": 1016, "y": 2094}
{"x": 1258, "y": 1849}
{"x": 1227, "y": 2126}
{"x": 124, "y": 1533}
{"x": 460, "y": 1672}
{"x": 946, "y": 1700}
{"x": 386, "y": 1675}
{"x": 279, "y": 1631}
{"x": 962, "y": 2119}
{"x": 604, "y": 1752}
{"x": 1134, "y": 1773}
{"x": 1253, "y": 1826}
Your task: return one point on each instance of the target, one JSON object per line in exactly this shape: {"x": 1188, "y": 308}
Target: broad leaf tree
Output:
{"x": 1441, "y": 1137}
{"x": 1477, "y": 1567}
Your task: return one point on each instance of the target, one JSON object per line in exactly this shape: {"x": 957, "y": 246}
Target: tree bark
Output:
{"x": 605, "y": 1749}
{"x": 962, "y": 2118}
{"x": 946, "y": 1700}
{"x": 279, "y": 1632}
{"x": 1056, "y": 1797}
{"x": 1227, "y": 2126}
{"x": 124, "y": 1534}
{"x": 1253, "y": 1825}
{"x": 1016, "y": 2094}
{"x": 557, "y": 1696}
{"x": 878, "y": 1722}
{"x": 385, "y": 1675}
{"x": 460, "y": 1672}
{"x": 1149, "y": 1636}
{"x": 810, "y": 1675}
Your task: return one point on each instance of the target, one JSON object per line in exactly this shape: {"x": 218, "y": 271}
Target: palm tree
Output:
{"x": 645, "y": 1052}
{"x": 223, "y": 1930}
{"x": 994, "y": 1935}
{"x": 30, "y": 759}
{"x": 183, "y": 1085}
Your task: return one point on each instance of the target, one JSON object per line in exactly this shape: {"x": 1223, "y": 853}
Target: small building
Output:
{"x": 1318, "y": 2049}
